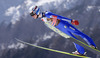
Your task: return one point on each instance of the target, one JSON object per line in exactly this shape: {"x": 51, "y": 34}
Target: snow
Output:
{"x": 99, "y": 10}
{"x": 28, "y": 2}
{"x": 10, "y": 11}
{"x": 42, "y": 2}
{"x": 48, "y": 36}
{"x": 89, "y": 8}
{"x": 16, "y": 46}
{"x": 13, "y": 11}
{"x": 5, "y": 5}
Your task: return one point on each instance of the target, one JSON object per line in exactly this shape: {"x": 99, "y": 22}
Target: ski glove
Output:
{"x": 75, "y": 22}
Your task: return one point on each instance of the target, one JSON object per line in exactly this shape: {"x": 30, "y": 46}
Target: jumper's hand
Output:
{"x": 75, "y": 22}
{"x": 54, "y": 20}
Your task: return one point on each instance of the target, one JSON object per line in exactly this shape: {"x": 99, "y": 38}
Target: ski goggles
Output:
{"x": 32, "y": 14}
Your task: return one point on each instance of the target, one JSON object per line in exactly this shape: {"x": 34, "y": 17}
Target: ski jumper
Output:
{"x": 69, "y": 29}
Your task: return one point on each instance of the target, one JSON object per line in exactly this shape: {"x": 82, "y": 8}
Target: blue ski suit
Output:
{"x": 69, "y": 29}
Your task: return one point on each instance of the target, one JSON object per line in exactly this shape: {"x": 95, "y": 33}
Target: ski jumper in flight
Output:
{"x": 65, "y": 25}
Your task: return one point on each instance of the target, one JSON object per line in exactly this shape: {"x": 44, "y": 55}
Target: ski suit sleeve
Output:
{"x": 52, "y": 15}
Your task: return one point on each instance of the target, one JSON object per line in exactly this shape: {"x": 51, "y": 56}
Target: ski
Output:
{"x": 49, "y": 49}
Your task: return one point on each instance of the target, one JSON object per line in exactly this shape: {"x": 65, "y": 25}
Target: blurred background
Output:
{"x": 15, "y": 22}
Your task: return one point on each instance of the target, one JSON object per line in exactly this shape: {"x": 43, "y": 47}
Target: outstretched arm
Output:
{"x": 51, "y": 15}
{"x": 74, "y": 22}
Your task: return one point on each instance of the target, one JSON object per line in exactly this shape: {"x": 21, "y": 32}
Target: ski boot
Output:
{"x": 77, "y": 53}
{"x": 93, "y": 47}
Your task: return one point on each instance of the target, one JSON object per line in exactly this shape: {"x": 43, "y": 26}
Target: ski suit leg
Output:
{"x": 79, "y": 48}
{"x": 82, "y": 35}
{"x": 61, "y": 27}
